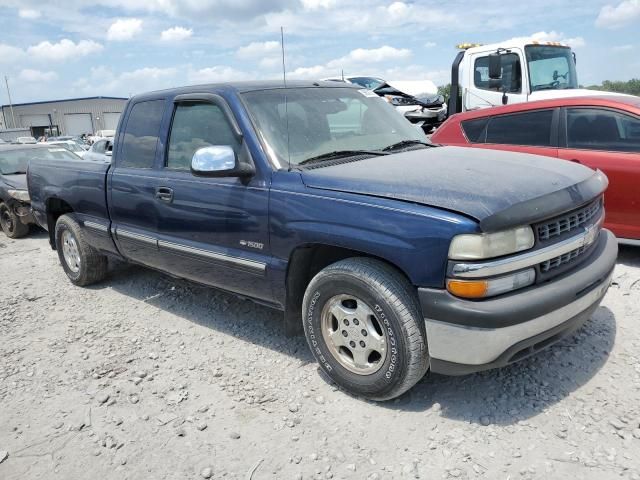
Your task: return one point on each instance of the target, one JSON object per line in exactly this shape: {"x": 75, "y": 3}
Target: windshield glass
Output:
{"x": 15, "y": 161}
{"x": 551, "y": 67}
{"x": 325, "y": 120}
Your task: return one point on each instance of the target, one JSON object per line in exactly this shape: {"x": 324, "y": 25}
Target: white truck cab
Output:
{"x": 511, "y": 72}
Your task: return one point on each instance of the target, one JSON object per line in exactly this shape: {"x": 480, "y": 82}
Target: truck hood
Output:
{"x": 18, "y": 182}
{"x": 498, "y": 189}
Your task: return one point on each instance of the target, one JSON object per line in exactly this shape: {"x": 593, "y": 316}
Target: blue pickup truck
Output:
{"x": 395, "y": 256}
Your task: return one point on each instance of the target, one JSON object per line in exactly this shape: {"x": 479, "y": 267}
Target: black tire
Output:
{"x": 394, "y": 302}
{"x": 10, "y": 223}
{"x": 92, "y": 266}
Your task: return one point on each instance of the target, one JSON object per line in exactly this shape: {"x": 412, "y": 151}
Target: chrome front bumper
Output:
{"x": 465, "y": 336}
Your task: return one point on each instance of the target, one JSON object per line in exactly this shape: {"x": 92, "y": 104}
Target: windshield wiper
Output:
{"x": 406, "y": 143}
{"x": 339, "y": 154}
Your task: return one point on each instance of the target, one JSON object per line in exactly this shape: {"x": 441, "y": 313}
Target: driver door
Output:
{"x": 485, "y": 92}
{"x": 212, "y": 230}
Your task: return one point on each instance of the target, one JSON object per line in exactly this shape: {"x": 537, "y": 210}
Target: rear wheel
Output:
{"x": 81, "y": 262}
{"x": 10, "y": 223}
{"x": 363, "y": 324}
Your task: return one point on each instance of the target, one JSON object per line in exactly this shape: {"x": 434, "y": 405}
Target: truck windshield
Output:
{"x": 325, "y": 120}
{"x": 550, "y": 67}
{"x": 16, "y": 161}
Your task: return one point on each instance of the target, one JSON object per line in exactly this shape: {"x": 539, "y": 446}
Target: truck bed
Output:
{"x": 80, "y": 183}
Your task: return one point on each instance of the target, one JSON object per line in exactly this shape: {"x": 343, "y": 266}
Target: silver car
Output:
{"x": 100, "y": 151}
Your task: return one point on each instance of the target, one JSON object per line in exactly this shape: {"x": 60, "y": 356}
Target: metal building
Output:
{"x": 74, "y": 116}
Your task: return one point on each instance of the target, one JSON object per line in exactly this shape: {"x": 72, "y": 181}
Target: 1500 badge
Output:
{"x": 247, "y": 243}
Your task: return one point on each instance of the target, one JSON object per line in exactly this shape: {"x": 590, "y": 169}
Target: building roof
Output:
{"x": 65, "y": 100}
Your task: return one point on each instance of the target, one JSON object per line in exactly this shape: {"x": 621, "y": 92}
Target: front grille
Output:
{"x": 568, "y": 222}
{"x": 560, "y": 260}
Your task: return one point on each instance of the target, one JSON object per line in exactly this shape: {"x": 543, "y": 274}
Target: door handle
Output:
{"x": 164, "y": 194}
{"x": 575, "y": 160}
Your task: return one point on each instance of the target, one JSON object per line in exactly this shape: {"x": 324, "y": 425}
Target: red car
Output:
{"x": 600, "y": 132}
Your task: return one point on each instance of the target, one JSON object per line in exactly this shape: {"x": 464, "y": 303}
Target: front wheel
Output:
{"x": 81, "y": 262}
{"x": 363, "y": 324}
{"x": 10, "y": 223}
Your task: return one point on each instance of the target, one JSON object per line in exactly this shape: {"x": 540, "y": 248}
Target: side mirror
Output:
{"x": 495, "y": 66}
{"x": 219, "y": 161}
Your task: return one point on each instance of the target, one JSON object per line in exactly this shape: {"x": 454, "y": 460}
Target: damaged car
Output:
{"x": 417, "y": 100}
{"x": 15, "y": 204}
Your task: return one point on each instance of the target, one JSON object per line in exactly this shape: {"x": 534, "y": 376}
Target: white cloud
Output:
{"x": 218, "y": 73}
{"x": 318, "y": 4}
{"x": 124, "y": 29}
{"x": 364, "y": 56}
{"x": 63, "y": 50}
{"x": 29, "y": 13}
{"x": 30, "y": 75}
{"x": 623, "y": 48}
{"x": 9, "y": 53}
{"x": 552, "y": 36}
{"x": 176, "y": 34}
{"x": 258, "y": 49}
{"x": 355, "y": 62}
{"x": 619, "y": 16}
{"x": 430, "y": 44}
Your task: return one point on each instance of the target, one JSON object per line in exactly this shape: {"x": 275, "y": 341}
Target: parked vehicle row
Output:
{"x": 393, "y": 255}
{"x": 15, "y": 207}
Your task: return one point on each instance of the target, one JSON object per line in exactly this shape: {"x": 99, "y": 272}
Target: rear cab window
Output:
{"x": 141, "y": 134}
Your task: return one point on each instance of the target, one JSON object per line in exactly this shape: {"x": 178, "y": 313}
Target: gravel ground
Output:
{"x": 145, "y": 376}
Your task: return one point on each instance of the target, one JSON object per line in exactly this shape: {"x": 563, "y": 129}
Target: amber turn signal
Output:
{"x": 468, "y": 289}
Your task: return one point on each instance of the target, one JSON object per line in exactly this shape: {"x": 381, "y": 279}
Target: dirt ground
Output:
{"x": 148, "y": 377}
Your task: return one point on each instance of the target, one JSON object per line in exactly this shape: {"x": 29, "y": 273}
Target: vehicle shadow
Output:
{"x": 211, "y": 308}
{"x": 521, "y": 390}
{"x": 502, "y": 396}
{"x": 629, "y": 256}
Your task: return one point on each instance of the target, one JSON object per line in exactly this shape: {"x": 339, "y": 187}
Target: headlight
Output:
{"x": 21, "y": 195}
{"x": 491, "y": 287}
{"x": 488, "y": 245}
{"x": 399, "y": 101}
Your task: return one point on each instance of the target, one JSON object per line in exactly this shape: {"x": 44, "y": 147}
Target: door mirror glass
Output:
{"x": 213, "y": 160}
{"x": 495, "y": 66}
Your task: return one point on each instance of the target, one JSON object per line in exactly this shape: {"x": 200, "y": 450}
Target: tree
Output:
{"x": 445, "y": 90}
{"x": 631, "y": 87}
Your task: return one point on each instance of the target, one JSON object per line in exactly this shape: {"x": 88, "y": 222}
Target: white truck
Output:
{"x": 512, "y": 72}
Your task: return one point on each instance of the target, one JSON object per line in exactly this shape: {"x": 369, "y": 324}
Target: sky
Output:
{"x": 73, "y": 48}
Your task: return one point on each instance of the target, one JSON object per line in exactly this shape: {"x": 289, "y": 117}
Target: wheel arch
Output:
{"x": 305, "y": 261}
{"x": 55, "y": 208}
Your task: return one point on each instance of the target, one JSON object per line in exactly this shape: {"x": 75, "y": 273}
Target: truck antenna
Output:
{"x": 284, "y": 81}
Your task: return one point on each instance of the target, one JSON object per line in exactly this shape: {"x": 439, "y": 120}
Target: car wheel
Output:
{"x": 81, "y": 262}
{"x": 363, "y": 324}
{"x": 10, "y": 223}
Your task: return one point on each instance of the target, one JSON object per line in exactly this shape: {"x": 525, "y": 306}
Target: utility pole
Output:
{"x": 13, "y": 118}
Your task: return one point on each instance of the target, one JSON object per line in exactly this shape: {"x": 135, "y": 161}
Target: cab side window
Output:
{"x": 195, "y": 126}
{"x": 141, "y": 134}
{"x": 529, "y": 128}
{"x": 599, "y": 129}
{"x": 511, "y": 78}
